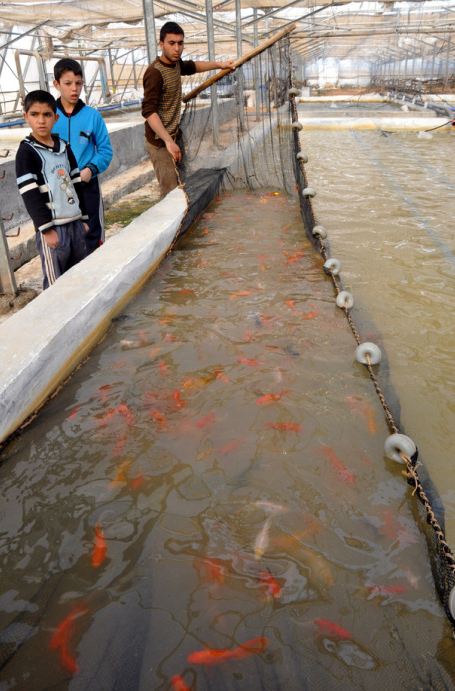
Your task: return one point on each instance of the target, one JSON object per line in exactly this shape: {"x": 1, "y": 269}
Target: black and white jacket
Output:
{"x": 49, "y": 182}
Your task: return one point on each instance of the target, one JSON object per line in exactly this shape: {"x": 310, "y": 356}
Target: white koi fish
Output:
{"x": 262, "y": 540}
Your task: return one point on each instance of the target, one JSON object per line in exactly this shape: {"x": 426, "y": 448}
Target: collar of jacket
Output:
{"x": 77, "y": 108}
{"x": 59, "y": 144}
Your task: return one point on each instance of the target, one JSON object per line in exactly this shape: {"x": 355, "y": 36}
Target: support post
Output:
{"x": 134, "y": 70}
{"x": 111, "y": 67}
{"x": 7, "y": 280}
{"x": 257, "y": 73}
{"x": 433, "y": 60}
{"x": 211, "y": 56}
{"x": 446, "y": 78}
{"x": 150, "y": 33}
{"x": 240, "y": 81}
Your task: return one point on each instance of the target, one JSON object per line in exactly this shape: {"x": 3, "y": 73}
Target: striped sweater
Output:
{"x": 49, "y": 182}
{"x": 163, "y": 95}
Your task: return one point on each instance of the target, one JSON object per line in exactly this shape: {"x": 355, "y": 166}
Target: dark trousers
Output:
{"x": 95, "y": 210}
{"x": 71, "y": 249}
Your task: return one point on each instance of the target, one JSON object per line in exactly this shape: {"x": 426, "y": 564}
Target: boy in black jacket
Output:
{"x": 49, "y": 182}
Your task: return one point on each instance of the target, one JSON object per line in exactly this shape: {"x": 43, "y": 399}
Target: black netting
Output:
{"x": 253, "y": 140}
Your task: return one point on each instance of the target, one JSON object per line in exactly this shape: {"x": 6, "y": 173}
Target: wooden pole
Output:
{"x": 240, "y": 61}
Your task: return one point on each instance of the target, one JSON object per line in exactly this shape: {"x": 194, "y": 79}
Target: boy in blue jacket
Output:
{"x": 84, "y": 129}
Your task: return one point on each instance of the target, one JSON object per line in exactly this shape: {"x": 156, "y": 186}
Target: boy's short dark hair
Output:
{"x": 170, "y": 28}
{"x": 39, "y": 96}
{"x": 67, "y": 65}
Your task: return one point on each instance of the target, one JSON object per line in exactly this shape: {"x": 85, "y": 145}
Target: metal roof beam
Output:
{"x": 372, "y": 32}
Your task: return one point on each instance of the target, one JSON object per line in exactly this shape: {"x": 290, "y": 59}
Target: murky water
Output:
{"x": 207, "y": 498}
{"x": 388, "y": 202}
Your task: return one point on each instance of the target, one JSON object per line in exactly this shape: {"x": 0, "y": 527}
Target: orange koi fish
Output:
{"x": 61, "y": 638}
{"x": 154, "y": 352}
{"x": 230, "y": 447}
{"x": 266, "y": 319}
{"x": 249, "y": 362}
{"x": 296, "y": 257}
{"x": 394, "y": 529}
{"x": 119, "y": 446}
{"x": 169, "y": 338}
{"x": 137, "y": 482}
{"x": 268, "y": 398}
{"x": 159, "y": 418}
{"x": 178, "y": 683}
{"x": 73, "y": 413}
{"x": 167, "y": 319}
{"x": 205, "y": 421}
{"x": 201, "y": 382}
{"x": 189, "y": 383}
{"x": 240, "y": 294}
{"x": 178, "y": 400}
{"x": 103, "y": 391}
{"x": 121, "y": 476}
{"x": 186, "y": 291}
{"x": 284, "y": 426}
{"x": 329, "y": 628}
{"x": 271, "y": 584}
{"x": 99, "y": 547}
{"x": 210, "y": 569}
{"x": 390, "y": 527}
{"x": 221, "y": 376}
{"x": 126, "y": 413}
{"x": 150, "y": 396}
{"x": 248, "y": 336}
{"x": 337, "y": 464}
{"x": 358, "y": 405}
{"x": 310, "y": 315}
{"x": 214, "y": 656}
{"x": 386, "y": 589}
{"x": 123, "y": 410}
{"x": 164, "y": 368}
{"x": 290, "y": 304}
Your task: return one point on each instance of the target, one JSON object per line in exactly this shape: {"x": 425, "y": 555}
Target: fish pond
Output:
{"x": 206, "y": 503}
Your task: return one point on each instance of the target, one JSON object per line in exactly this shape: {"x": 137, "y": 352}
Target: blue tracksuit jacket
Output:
{"x": 85, "y": 131}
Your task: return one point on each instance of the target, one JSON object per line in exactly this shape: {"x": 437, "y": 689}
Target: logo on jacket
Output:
{"x": 66, "y": 185}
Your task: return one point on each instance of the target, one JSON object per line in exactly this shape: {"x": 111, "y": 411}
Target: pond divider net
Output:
{"x": 253, "y": 141}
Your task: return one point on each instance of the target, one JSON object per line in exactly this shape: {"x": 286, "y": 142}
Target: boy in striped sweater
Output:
{"x": 163, "y": 101}
{"x": 49, "y": 182}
